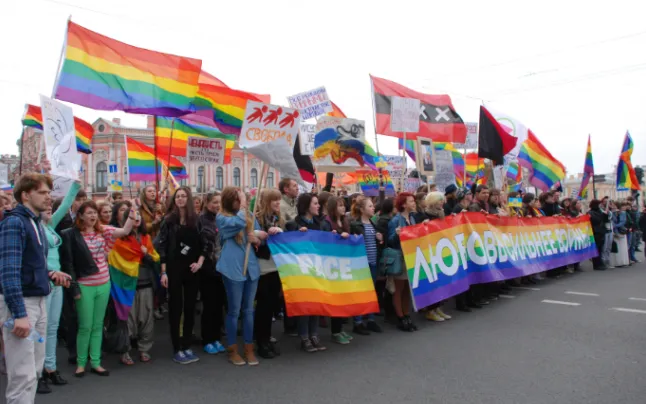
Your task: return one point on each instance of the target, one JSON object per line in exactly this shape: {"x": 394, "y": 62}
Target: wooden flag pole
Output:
{"x": 403, "y": 177}
{"x": 261, "y": 185}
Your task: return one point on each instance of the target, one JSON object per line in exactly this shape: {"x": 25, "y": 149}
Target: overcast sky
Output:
{"x": 564, "y": 68}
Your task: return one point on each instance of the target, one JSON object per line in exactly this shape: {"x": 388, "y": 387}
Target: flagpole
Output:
{"x": 60, "y": 59}
{"x": 402, "y": 180}
{"x": 156, "y": 156}
{"x": 253, "y": 214}
{"x": 170, "y": 147}
{"x": 382, "y": 187}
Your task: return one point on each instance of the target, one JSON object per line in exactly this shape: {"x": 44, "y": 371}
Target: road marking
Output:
{"x": 507, "y": 296}
{"x": 638, "y": 299}
{"x": 569, "y": 292}
{"x": 524, "y": 288}
{"x": 561, "y": 302}
{"x": 628, "y": 310}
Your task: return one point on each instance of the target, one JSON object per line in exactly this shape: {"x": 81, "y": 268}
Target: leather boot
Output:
{"x": 249, "y": 355}
{"x": 234, "y": 356}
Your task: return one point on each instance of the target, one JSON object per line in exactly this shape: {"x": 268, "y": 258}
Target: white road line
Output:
{"x": 569, "y": 292}
{"x": 561, "y": 302}
{"x": 628, "y": 310}
{"x": 524, "y": 288}
{"x": 637, "y": 299}
{"x": 507, "y": 296}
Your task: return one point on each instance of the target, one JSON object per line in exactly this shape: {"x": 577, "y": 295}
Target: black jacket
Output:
{"x": 317, "y": 224}
{"x": 76, "y": 258}
{"x": 167, "y": 242}
{"x": 209, "y": 239}
{"x": 357, "y": 227}
{"x": 449, "y": 206}
{"x": 598, "y": 220}
{"x": 66, "y": 223}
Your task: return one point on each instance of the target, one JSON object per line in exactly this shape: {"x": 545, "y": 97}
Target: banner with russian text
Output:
{"x": 324, "y": 274}
{"x": 444, "y": 257}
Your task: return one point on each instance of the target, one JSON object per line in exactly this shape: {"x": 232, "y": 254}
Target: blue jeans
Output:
{"x": 308, "y": 326}
{"x": 631, "y": 246}
{"x": 370, "y": 317}
{"x": 54, "y": 306}
{"x": 240, "y": 297}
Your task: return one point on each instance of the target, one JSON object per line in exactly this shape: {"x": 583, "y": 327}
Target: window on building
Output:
{"x": 236, "y": 177}
{"x": 200, "y": 180}
{"x": 254, "y": 178}
{"x": 101, "y": 177}
{"x": 270, "y": 179}
{"x": 219, "y": 178}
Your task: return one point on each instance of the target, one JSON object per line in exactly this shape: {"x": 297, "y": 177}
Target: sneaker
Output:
{"x": 347, "y": 336}
{"x": 360, "y": 328}
{"x": 316, "y": 342}
{"x": 211, "y": 349}
{"x": 432, "y": 315}
{"x": 374, "y": 327}
{"x": 443, "y": 314}
{"x": 340, "y": 339}
{"x": 403, "y": 325}
{"x": 43, "y": 387}
{"x": 306, "y": 345}
{"x": 181, "y": 358}
{"x": 191, "y": 356}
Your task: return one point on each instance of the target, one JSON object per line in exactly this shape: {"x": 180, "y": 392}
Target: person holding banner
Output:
{"x": 237, "y": 228}
{"x": 598, "y": 221}
{"x": 308, "y": 208}
{"x": 406, "y": 207}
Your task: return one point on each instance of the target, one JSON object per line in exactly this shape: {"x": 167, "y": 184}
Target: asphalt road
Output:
{"x": 522, "y": 349}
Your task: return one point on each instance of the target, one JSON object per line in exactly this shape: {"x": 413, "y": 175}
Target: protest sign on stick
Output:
{"x": 60, "y": 138}
{"x": 311, "y": 103}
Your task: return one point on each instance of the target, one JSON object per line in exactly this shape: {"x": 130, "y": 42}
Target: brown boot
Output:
{"x": 234, "y": 356}
{"x": 249, "y": 355}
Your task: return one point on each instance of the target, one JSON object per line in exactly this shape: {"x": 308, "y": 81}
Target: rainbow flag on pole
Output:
{"x": 33, "y": 118}
{"x": 141, "y": 162}
{"x": 104, "y": 74}
{"x": 323, "y": 274}
{"x": 544, "y": 169}
{"x": 588, "y": 171}
{"x": 626, "y": 177}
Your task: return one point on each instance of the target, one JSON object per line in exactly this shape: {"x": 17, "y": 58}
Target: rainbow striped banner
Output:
{"x": 444, "y": 257}
{"x": 369, "y": 183}
{"x": 323, "y": 274}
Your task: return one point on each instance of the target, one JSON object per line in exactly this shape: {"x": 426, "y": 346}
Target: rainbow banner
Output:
{"x": 444, "y": 257}
{"x": 33, "y": 117}
{"x": 323, "y": 274}
{"x": 369, "y": 183}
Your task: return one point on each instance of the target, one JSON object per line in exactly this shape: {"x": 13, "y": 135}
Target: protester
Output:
{"x": 598, "y": 220}
{"x": 632, "y": 226}
{"x": 463, "y": 199}
{"x": 308, "y": 219}
{"x": 289, "y": 191}
{"x": 212, "y": 290}
{"x": 406, "y": 206}
{"x": 25, "y": 285}
{"x": 151, "y": 211}
{"x": 5, "y": 204}
{"x": 269, "y": 287}
{"x": 118, "y": 209}
{"x": 83, "y": 256}
{"x": 116, "y": 197}
{"x": 450, "y": 193}
{"x": 608, "y": 242}
{"x": 239, "y": 269}
{"x": 482, "y": 197}
{"x": 182, "y": 254}
{"x": 381, "y": 225}
{"x": 105, "y": 213}
{"x": 619, "y": 251}
{"x": 197, "y": 201}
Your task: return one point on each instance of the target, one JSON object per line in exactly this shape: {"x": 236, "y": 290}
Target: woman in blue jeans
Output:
{"x": 236, "y": 228}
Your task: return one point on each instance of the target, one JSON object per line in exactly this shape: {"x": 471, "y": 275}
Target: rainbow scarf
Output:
{"x": 124, "y": 261}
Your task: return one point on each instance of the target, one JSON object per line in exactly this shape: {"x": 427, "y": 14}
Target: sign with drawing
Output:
{"x": 264, "y": 123}
{"x": 60, "y": 138}
{"x": 61, "y": 186}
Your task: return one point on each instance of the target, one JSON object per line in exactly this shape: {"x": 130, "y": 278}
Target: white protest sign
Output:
{"x": 306, "y": 139}
{"x": 345, "y": 128}
{"x": 498, "y": 176}
{"x": 311, "y": 103}
{"x": 264, "y": 123}
{"x": 204, "y": 150}
{"x": 404, "y": 114}
{"x": 61, "y": 186}
{"x": 444, "y": 174}
{"x": 472, "y": 137}
{"x": 395, "y": 165}
{"x": 4, "y": 173}
{"x": 60, "y": 138}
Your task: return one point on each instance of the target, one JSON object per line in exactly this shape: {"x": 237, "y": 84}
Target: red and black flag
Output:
{"x": 437, "y": 117}
{"x": 304, "y": 163}
{"x": 493, "y": 140}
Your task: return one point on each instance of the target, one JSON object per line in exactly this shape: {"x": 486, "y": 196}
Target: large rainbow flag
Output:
{"x": 33, "y": 117}
{"x": 124, "y": 263}
{"x": 104, "y": 74}
{"x": 544, "y": 169}
{"x": 141, "y": 163}
{"x": 324, "y": 274}
{"x": 626, "y": 177}
{"x": 588, "y": 171}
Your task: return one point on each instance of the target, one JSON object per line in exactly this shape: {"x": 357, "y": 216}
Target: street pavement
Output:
{"x": 577, "y": 339}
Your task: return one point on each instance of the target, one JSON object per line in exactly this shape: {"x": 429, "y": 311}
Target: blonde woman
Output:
{"x": 434, "y": 210}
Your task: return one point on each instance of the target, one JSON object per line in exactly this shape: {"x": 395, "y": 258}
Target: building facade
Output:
{"x": 605, "y": 186}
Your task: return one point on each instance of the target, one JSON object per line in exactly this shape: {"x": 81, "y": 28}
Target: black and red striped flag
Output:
{"x": 304, "y": 163}
{"x": 437, "y": 118}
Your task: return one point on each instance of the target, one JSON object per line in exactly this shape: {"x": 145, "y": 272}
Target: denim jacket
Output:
{"x": 232, "y": 257}
{"x": 397, "y": 221}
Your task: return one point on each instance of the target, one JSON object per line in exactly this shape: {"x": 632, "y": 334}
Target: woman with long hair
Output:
{"x": 105, "y": 212}
{"x": 237, "y": 228}
{"x": 269, "y": 288}
{"x": 211, "y": 286}
{"x": 182, "y": 254}
{"x": 83, "y": 256}
{"x": 135, "y": 254}
{"x": 308, "y": 209}
{"x": 118, "y": 209}
{"x": 406, "y": 208}
{"x": 150, "y": 210}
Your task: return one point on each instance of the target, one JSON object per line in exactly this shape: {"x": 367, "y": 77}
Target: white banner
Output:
{"x": 396, "y": 166}
{"x": 311, "y": 103}
{"x": 404, "y": 114}
{"x": 264, "y": 123}
{"x": 205, "y": 150}
{"x": 306, "y": 138}
{"x": 60, "y": 138}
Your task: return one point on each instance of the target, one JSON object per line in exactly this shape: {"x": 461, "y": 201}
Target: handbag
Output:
{"x": 391, "y": 262}
{"x": 115, "y": 332}
{"x": 614, "y": 248}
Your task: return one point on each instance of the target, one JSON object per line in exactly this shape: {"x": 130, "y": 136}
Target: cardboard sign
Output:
{"x": 61, "y": 186}
{"x": 264, "y": 123}
{"x": 395, "y": 165}
{"x": 204, "y": 150}
{"x": 425, "y": 156}
{"x": 306, "y": 139}
{"x": 444, "y": 173}
{"x": 311, "y": 103}
{"x": 404, "y": 114}
{"x": 60, "y": 138}
{"x": 472, "y": 137}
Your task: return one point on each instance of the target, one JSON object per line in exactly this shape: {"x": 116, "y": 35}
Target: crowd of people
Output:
{"x": 56, "y": 255}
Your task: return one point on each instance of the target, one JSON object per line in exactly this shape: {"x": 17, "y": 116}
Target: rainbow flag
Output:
{"x": 409, "y": 147}
{"x": 588, "y": 171}
{"x": 329, "y": 142}
{"x": 123, "y": 262}
{"x": 475, "y": 169}
{"x": 626, "y": 177}
{"x": 33, "y": 118}
{"x": 544, "y": 169}
{"x": 336, "y": 111}
{"x": 104, "y": 74}
{"x": 369, "y": 183}
{"x": 323, "y": 274}
{"x": 514, "y": 175}
{"x": 181, "y": 129}
{"x": 141, "y": 162}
